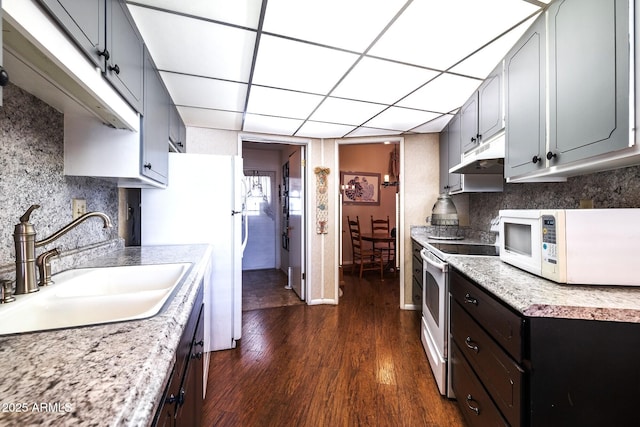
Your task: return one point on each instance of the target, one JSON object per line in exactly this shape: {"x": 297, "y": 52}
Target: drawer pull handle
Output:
{"x": 470, "y": 344}
{"x": 476, "y": 408}
{"x": 468, "y": 299}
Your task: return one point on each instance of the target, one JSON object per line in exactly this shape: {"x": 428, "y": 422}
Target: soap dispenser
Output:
{"x": 24, "y": 236}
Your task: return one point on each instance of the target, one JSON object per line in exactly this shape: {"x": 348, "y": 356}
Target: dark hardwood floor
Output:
{"x": 360, "y": 363}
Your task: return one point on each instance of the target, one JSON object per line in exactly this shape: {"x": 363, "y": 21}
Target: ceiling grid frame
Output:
{"x": 293, "y": 22}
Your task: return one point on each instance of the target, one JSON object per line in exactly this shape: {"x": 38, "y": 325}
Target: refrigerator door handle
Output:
{"x": 245, "y": 217}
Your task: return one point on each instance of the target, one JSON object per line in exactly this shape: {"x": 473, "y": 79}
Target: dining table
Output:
{"x": 382, "y": 238}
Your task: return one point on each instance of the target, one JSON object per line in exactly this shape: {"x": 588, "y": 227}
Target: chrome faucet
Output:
{"x": 25, "y": 239}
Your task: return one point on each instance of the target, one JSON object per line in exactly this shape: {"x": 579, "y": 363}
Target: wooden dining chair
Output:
{"x": 382, "y": 226}
{"x": 367, "y": 259}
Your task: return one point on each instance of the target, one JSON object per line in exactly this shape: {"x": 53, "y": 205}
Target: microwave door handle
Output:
{"x": 438, "y": 265}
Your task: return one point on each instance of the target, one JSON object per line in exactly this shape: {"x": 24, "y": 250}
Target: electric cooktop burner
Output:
{"x": 466, "y": 249}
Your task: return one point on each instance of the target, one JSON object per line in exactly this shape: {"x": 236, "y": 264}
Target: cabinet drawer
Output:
{"x": 475, "y": 404}
{"x": 501, "y": 376}
{"x": 415, "y": 250}
{"x": 416, "y": 290}
{"x": 417, "y": 271}
{"x": 416, "y": 263}
{"x": 183, "y": 353}
{"x": 500, "y": 322}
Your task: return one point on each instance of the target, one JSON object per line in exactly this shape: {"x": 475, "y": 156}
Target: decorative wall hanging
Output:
{"x": 322, "y": 200}
{"x": 360, "y": 188}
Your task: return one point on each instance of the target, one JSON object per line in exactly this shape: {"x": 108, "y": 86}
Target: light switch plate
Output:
{"x": 78, "y": 207}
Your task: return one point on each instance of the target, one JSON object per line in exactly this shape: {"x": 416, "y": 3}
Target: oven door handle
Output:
{"x": 440, "y": 266}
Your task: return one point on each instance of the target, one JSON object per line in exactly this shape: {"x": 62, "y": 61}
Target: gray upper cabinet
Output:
{"x": 469, "y": 124}
{"x": 525, "y": 102}
{"x": 106, "y": 32}
{"x": 444, "y": 159}
{"x": 454, "y": 137}
{"x": 491, "y": 104}
{"x": 482, "y": 116}
{"x": 84, "y": 21}
{"x": 124, "y": 68}
{"x": 155, "y": 124}
{"x": 588, "y": 79}
{"x": 177, "y": 130}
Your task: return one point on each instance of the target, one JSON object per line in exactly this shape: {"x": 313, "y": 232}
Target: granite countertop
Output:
{"x": 534, "y": 296}
{"x": 111, "y": 374}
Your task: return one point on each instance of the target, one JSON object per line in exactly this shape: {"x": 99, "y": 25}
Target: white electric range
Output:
{"x": 435, "y": 302}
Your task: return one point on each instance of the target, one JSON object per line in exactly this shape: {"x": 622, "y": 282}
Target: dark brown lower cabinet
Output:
{"x": 181, "y": 404}
{"x": 476, "y": 405}
{"x": 514, "y": 370}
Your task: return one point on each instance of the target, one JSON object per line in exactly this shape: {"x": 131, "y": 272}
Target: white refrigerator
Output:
{"x": 203, "y": 203}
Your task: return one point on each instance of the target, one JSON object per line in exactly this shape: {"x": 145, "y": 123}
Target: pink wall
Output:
{"x": 372, "y": 158}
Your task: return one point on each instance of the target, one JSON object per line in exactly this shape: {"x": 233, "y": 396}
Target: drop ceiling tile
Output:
{"x": 351, "y": 25}
{"x": 482, "y": 63}
{"x": 365, "y": 131}
{"x": 434, "y": 126}
{"x": 344, "y": 111}
{"x": 377, "y": 80}
{"x": 323, "y": 130}
{"x": 205, "y": 92}
{"x": 442, "y": 94}
{"x": 439, "y": 34}
{"x": 400, "y": 119}
{"x": 200, "y": 117}
{"x": 299, "y": 66}
{"x": 196, "y": 47}
{"x": 245, "y": 13}
{"x": 269, "y": 124}
{"x": 285, "y": 103}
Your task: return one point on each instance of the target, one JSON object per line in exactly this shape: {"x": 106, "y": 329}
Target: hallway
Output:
{"x": 360, "y": 363}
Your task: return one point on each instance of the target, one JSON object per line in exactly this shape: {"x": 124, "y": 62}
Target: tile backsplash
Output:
{"x": 618, "y": 188}
{"x": 31, "y": 172}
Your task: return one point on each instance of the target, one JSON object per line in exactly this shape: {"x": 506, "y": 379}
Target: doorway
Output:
{"x": 378, "y": 161}
{"x": 276, "y": 202}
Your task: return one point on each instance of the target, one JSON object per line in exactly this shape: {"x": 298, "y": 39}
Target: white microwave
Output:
{"x": 579, "y": 246}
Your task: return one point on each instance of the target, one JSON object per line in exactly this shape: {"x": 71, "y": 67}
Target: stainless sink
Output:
{"x": 90, "y": 296}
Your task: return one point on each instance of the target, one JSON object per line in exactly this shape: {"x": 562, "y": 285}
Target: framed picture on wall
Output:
{"x": 360, "y": 188}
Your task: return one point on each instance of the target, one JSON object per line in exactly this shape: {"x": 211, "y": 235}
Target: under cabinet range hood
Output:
{"x": 487, "y": 158}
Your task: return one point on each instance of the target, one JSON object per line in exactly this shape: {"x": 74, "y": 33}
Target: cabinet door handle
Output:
{"x": 197, "y": 355}
{"x": 468, "y": 299}
{"x": 4, "y": 76}
{"x": 475, "y": 408}
{"x": 473, "y": 139}
{"x": 470, "y": 344}
{"x": 104, "y": 53}
{"x": 176, "y": 399}
{"x": 200, "y": 343}
{"x": 551, "y": 155}
{"x": 147, "y": 166}
{"x": 536, "y": 159}
{"x": 115, "y": 69}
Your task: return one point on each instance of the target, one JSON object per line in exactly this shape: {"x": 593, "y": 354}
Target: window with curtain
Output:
{"x": 259, "y": 199}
